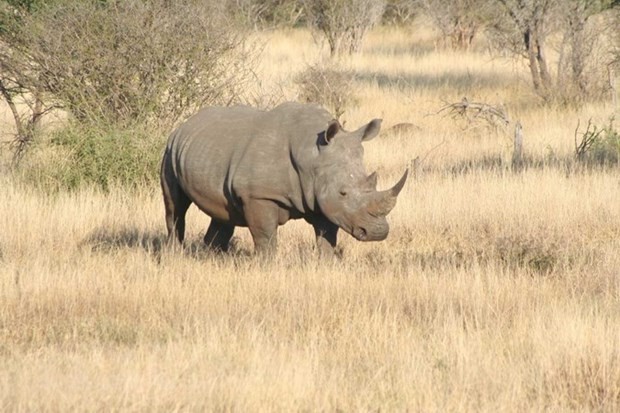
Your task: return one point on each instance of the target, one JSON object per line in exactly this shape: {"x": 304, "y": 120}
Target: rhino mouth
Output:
{"x": 360, "y": 234}
{"x": 374, "y": 234}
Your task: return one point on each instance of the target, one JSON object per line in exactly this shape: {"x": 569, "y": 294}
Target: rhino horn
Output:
{"x": 395, "y": 190}
{"x": 385, "y": 201}
{"x": 372, "y": 179}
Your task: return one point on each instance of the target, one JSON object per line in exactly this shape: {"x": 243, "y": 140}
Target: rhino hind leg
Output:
{"x": 218, "y": 235}
{"x": 176, "y": 203}
{"x": 176, "y": 208}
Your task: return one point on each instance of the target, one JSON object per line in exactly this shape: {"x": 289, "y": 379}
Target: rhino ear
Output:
{"x": 371, "y": 130}
{"x": 332, "y": 130}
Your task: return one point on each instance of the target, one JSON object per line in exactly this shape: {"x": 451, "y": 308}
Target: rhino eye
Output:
{"x": 343, "y": 192}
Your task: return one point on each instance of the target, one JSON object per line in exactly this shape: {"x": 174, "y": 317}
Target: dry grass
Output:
{"x": 495, "y": 291}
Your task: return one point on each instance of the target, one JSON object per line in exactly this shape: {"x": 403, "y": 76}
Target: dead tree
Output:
{"x": 517, "y": 153}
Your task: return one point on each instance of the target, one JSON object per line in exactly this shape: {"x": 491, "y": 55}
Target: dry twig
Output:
{"x": 588, "y": 138}
{"x": 474, "y": 111}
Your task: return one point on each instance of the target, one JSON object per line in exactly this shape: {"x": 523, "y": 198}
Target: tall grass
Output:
{"x": 495, "y": 291}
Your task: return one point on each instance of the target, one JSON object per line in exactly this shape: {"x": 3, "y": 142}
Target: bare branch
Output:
{"x": 473, "y": 111}
{"x": 588, "y": 138}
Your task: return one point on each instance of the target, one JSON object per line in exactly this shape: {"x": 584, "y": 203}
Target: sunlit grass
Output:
{"x": 497, "y": 290}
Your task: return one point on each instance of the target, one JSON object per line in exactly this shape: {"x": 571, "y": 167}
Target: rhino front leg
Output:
{"x": 262, "y": 219}
{"x": 218, "y": 235}
{"x": 326, "y": 236}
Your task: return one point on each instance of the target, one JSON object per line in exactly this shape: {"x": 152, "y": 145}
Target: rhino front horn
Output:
{"x": 399, "y": 185}
{"x": 386, "y": 200}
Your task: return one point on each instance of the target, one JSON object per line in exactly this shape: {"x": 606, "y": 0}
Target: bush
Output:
{"x": 95, "y": 156}
{"x": 328, "y": 86}
{"x": 113, "y": 65}
{"x": 459, "y": 21}
{"x": 598, "y": 146}
{"x": 606, "y": 151}
{"x": 267, "y": 13}
{"x": 344, "y": 22}
{"x": 400, "y": 12}
{"x": 124, "y": 61}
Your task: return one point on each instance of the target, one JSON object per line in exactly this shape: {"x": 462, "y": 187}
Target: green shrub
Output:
{"x": 78, "y": 155}
{"x": 598, "y": 146}
{"x": 606, "y": 151}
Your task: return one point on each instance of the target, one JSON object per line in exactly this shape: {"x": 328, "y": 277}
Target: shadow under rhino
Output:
{"x": 104, "y": 240}
{"x": 154, "y": 244}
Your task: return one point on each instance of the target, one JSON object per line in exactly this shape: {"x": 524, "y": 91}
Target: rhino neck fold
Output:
{"x": 304, "y": 176}
{"x": 300, "y": 125}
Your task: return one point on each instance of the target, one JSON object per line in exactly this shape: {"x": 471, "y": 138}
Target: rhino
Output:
{"x": 246, "y": 167}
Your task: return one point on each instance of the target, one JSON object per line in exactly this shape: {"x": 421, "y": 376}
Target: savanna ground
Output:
{"x": 496, "y": 290}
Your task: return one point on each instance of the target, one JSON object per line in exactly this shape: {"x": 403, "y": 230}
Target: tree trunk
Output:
{"x": 578, "y": 53}
{"x": 533, "y": 61}
{"x": 517, "y": 154}
{"x": 545, "y": 76}
{"x": 37, "y": 113}
{"x": 335, "y": 44}
{"x": 535, "y": 46}
{"x": 463, "y": 35}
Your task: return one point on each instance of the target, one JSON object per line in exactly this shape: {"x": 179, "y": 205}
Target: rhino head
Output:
{"x": 346, "y": 195}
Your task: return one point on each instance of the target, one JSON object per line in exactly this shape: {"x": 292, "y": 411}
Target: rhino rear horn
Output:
{"x": 372, "y": 179}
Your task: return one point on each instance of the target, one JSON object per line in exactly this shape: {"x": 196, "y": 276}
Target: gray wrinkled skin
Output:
{"x": 256, "y": 169}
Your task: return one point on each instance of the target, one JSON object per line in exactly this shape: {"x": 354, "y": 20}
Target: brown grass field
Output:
{"x": 495, "y": 291}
